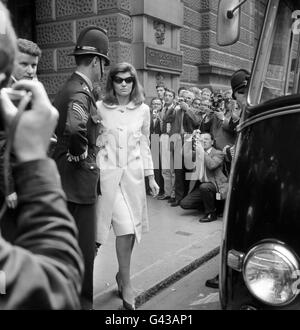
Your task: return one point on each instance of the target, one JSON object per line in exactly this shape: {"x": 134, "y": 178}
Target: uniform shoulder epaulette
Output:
{"x": 85, "y": 87}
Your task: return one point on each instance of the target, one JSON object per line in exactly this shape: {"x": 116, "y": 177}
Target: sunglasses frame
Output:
{"x": 119, "y": 80}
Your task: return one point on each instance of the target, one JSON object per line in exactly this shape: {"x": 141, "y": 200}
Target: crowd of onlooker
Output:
{"x": 197, "y": 125}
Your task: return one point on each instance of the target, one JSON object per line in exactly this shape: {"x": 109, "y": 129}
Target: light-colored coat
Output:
{"x": 124, "y": 159}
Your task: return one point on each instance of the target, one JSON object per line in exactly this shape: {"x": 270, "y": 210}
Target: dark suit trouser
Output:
{"x": 180, "y": 184}
{"x": 159, "y": 178}
{"x": 85, "y": 218}
{"x": 204, "y": 193}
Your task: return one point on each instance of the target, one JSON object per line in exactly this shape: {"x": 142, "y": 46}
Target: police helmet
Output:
{"x": 239, "y": 80}
{"x": 92, "y": 40}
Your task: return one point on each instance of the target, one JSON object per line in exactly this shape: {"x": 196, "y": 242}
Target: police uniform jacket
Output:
{"x": 77, "y": 132}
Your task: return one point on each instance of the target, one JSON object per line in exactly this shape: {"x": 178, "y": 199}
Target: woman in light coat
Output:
{"x": 124, "y": 159}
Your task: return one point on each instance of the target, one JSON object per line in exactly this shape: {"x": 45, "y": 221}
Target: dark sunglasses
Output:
{"x": 119, "y": 80}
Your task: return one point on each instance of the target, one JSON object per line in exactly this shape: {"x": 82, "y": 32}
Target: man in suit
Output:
{"x": 167, "y": 116}
{"x": 155, "y": 123}
{"x": 184, "y": 123}
{"x": 76, "y": 149}
{"x": 27, "y": 59}
{"x": 208, "y": 180}
{"x": 160, "y": 90}
{"x": 155, "y": 133}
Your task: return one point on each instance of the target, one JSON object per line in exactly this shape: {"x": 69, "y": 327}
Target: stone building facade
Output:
{"x": 173, "y": 41}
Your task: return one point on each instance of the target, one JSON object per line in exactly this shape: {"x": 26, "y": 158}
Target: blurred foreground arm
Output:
{"x": 44, "y": 268}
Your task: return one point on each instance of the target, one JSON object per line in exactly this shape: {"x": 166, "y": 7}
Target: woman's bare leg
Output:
{"x": 124, "y": 247}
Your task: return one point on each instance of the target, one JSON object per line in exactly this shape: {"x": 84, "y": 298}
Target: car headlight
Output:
{"x": 269, "y": 272}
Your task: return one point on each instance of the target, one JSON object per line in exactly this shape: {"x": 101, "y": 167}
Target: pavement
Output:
{"x": 176, "y": 244}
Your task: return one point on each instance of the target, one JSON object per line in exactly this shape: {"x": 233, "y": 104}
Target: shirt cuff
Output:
{"x": 148, "y": 172}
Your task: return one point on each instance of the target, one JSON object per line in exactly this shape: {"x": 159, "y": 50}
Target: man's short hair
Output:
{"x": 210, "y": 134}
{"x": 85, "y": 59}
{"x": 170, "y": 91}
{"x": 206, "y": 89}
{"x": 181, "y": 88}
{"x": 161, "y": 85}
{"x": 28, "y": 47}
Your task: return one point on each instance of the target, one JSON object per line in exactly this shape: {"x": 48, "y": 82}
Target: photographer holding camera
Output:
{"x": 222, "y": 122}
{"x": 184, "y": 123}
{"x": 43, "y": 267}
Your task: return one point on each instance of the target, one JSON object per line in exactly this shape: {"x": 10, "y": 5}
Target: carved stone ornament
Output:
{"x": 160, "y": 31}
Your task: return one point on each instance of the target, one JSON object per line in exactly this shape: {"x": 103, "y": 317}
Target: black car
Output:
{"x": 260, "y": 251}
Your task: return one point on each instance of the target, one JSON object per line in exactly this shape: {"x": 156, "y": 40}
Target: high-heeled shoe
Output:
{"x": 119, "y": 284}
{"x": 128, "y": 306}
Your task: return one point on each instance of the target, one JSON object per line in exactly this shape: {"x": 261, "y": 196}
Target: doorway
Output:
{"x": 23, "y": 18}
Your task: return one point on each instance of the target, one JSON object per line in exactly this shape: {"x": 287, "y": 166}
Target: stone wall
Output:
{"x": 131, "y": 32}
{"x": 205, "y": 63}
{"x": 59, "y": 23}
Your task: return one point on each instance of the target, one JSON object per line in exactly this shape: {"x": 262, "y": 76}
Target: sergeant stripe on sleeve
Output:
{"x": 79, "y": 110}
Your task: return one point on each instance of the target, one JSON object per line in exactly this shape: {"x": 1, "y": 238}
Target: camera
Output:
{"x": 180, "y": 99}
{"x": 15, "y": 95}
{"x": 217, "y": 100}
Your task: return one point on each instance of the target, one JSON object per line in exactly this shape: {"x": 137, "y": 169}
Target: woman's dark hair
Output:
{"x": 137, "y": 93}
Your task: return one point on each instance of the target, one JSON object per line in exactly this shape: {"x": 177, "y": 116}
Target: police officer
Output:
{"x": 76, "y": 150}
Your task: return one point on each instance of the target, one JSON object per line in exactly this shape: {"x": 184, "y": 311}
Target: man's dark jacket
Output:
{"x": 43, "y": 269}
{"x": 77, "y": 132}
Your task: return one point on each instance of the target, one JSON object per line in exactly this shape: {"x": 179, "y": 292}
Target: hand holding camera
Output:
{"x": 184, "y": 106}
{"x": 196, "y": 138}
{"x": 36, "y": 126}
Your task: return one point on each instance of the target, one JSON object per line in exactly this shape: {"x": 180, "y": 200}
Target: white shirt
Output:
{"x": 209, "y": 150}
